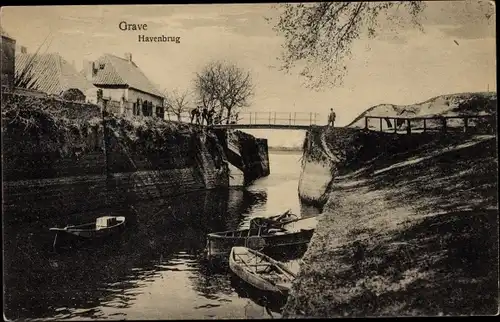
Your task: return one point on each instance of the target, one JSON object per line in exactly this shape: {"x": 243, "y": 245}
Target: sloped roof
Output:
{"x": 52, "y": 74}
{"x": 120, "y": 71}
{"x": 5, "y": 34}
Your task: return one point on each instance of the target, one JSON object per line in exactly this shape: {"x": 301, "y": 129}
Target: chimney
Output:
{"x": 89, "y": 69}
{"x": 128, "y": 56}
{"x": 95, "y": 67}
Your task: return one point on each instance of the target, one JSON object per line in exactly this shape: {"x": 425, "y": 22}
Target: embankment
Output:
{"x": 409, "y": 225}
{"x": 56, "y": 163}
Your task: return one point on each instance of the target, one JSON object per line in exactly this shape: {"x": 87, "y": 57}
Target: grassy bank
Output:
{"x": 408, "y": 231}
{"x": 54, "y": 125}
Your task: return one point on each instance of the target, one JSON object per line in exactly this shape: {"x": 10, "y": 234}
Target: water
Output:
{"x": 154, "y": 270}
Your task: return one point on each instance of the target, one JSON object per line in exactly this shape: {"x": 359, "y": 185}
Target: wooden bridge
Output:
{"x": 265, "y": 120}
{"x": 408, "y": 125}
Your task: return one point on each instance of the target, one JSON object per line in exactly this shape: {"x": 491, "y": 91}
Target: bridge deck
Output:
{"x": 261, "y": 126}
{"x": 259, "y": 120}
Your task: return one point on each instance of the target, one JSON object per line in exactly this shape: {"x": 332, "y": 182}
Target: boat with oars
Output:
{"x": 290, "y": 233}
{"x": 105, "y": 226}
{"x": 260, "y": 270}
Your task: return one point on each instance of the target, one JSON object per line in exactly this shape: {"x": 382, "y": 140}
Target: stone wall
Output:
{"x": 58, "y": 165}
{"x": 252, "y": 156}
{"x": 56, "y": 162}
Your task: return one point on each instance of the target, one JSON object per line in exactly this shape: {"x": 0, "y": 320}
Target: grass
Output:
{"x": 419, "y": 238}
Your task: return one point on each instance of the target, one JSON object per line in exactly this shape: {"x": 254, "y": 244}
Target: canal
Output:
{"x": 155, "y": 269}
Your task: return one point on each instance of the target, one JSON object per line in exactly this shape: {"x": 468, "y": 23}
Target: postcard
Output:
{"x": 249, "y": 161}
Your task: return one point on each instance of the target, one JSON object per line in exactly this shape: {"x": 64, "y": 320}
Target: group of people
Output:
{"x": 202, "y": 115}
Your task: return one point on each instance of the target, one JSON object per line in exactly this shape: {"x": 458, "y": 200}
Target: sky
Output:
{"x": 401, "y": 66}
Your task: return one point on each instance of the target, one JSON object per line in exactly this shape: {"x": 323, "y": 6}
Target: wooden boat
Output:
{"x": 260, "y": 271}
{"x": 292, "y": 233}
{"x": 103, "y": 227}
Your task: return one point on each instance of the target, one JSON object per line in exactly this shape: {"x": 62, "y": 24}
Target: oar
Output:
{"x": 293, "y": 220}
{"x": 283, "y": 214}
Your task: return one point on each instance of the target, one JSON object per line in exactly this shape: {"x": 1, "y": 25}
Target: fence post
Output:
{"x": 250, "y": 122}
{"x": 425, "y": 125}
{"x": 443, "y": 121}
{"x": 269, "y": 117}
{"x": 380, "y": 120}
{"x": 366, "y": 122}
{"x": 275, "y": 118}
{"x": 310, "y": 118}
{"x": 395, "y": 125}
{"x": 408, "y": 126}
{"x": 466, "y": 124}
{"x": 492, "y": 125}
{"x": 290, "y": 118}
{"x": 295, "y": 118}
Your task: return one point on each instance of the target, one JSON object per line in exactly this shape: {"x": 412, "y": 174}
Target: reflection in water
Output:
{"x": 273, "y": 302}
{"x": 154, "y": 270}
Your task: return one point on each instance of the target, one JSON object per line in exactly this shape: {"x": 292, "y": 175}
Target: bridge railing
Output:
{"x": 278, "y": 118}
{"x": 185, "y": 117}
{"x": 464, "y": 123}
{"x": 261, "y": 118}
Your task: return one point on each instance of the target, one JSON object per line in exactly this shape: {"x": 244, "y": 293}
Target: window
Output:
{"x": 160, "y": 112}
{"x": 145, "y": 108}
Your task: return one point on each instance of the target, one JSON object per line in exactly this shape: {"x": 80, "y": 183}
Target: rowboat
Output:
{"x": 103, "y": 227}
{"x": 260, "y": 271}
{"x": 292, "y": 233}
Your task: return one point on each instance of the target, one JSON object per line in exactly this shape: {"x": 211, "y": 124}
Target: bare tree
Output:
{"x": 223, "y": 86}
{"x": 177, "y": 102}
{"x": 320, "y": 35}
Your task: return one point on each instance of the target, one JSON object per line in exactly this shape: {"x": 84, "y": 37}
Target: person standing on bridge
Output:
{"x": 331, "y": 117}
{"x": 198, "y": 115}
{"x": 194, "y": 115}
{"x": 210, "y": 116}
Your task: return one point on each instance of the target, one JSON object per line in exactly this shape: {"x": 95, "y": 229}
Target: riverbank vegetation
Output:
{"x": 50, "y": 125}
{"x": 411, "y": 229}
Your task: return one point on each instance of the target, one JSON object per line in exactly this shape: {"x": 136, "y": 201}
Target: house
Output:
{"x": 51, "y": 74}
{"x": 124, "y": 86}
{"x": 8, "y": 60}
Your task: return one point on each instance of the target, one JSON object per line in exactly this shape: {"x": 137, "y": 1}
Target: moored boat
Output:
{"x": 260, "y": 270}
{"x": 293, "y": 233}
{"x": 103, "y": 227}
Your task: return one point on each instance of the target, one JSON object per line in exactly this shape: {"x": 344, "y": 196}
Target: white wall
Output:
{"x": 133, "y": 95}
{"x": 116, "y": 94}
